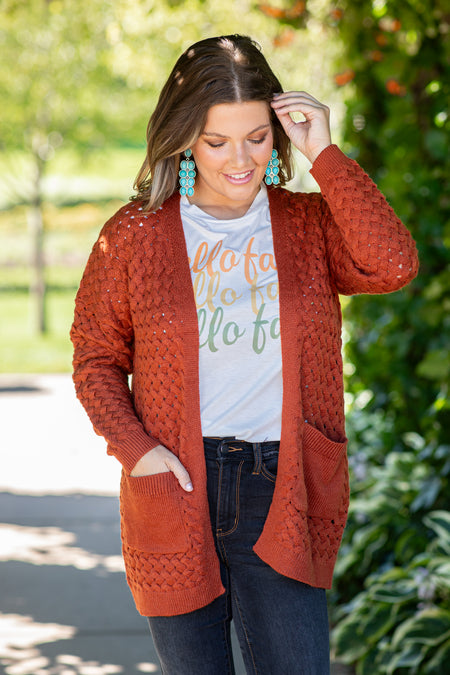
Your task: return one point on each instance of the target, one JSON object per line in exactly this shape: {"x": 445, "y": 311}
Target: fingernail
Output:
{"x": 189, "y": 487}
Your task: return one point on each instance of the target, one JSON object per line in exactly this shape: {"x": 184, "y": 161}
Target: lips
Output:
{"x": 239, "y": 178}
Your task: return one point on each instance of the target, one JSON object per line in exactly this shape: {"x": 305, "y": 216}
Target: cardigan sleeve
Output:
{"x": 102, "y": 336}
{"x": 368, "y": 247}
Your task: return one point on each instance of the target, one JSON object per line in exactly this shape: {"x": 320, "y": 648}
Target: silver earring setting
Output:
{"x": 273, "y": 169}
{"x": 187, "y": 174}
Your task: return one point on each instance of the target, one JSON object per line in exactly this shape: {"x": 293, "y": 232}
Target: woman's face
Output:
{"x": 231, "y": 156}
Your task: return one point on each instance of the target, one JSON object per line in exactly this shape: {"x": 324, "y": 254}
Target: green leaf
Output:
{"x": 396, "y": 593}
{"x": 428, "y": 494}
{"x": 371, "y": 663}
{"x": 392, "y": 575}
{"x": 379, "y": 622}
{"x": 348, "y": 640}
{"x": 439, "y": 664}
{"x": 441, "y": 574}
{"x": 429, "y": 627}
{"x": 435, "y": 365}
{"x": 406, "y": 545}
{"x": 437, "y": 143}
{"x": 439, "y": 522}
{"x": 410, "y": 656}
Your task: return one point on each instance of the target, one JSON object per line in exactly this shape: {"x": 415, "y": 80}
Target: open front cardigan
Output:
{"x": 136, "y": 314}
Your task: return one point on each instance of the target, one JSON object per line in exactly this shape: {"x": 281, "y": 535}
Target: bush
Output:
{"x": 390, "y": 600}
{"x": 395, "y": 624}
{"x": 391, "y": 594}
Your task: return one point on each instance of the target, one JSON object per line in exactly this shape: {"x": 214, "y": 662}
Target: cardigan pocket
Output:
{"x": 151, "y": 513}
{"x": 326, "y": 474}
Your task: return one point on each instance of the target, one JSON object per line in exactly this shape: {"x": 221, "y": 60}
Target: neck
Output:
{"x": 226, "y": 211}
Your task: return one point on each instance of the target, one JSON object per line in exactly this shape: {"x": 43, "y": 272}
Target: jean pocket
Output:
{"x": 269, "y": 467}
{"x": 326, "y": 474}
{"x": 151, "y": 513}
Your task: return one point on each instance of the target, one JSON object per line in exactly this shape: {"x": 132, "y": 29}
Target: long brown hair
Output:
{"x": 226, "y": 69}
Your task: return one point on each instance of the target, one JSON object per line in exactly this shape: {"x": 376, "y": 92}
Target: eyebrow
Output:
{"x": 213, "y": 133}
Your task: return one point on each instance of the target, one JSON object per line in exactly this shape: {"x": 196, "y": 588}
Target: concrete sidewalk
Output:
{"x": 65, "y": 608}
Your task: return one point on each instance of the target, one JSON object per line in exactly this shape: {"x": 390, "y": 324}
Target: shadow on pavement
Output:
{"x": 20, "y": 389}
{"x": 65, "y": 605}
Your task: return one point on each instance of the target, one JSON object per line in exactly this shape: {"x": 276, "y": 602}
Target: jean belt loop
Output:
{"x": 219, "y": 449}
{"x": 258, "y": 458}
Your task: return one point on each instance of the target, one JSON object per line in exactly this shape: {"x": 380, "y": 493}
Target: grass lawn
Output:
{"x": 70, "y": 234}
{"x": 24, "y": 351}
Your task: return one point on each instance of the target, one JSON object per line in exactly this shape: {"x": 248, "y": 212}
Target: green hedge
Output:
{"x": 392, "y": 592}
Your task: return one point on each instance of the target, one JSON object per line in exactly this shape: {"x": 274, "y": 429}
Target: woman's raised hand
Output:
{"x": 310, "y": 136}
{"x": 161, "y": 460}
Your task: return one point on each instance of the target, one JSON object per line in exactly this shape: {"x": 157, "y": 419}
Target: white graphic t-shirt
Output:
{"x": 235, "y": 283}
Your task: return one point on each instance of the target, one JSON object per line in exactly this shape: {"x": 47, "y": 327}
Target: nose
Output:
{"x": 240, "y": 155}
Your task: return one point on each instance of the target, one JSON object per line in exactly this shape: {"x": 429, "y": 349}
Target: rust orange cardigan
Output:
{"x": 135, "y": 315}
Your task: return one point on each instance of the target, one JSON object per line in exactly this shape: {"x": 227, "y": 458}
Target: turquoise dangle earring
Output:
{"x": 187, "y": 174}
{"x": 273, "y": 169}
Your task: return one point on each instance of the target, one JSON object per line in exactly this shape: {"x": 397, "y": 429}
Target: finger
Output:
{"x": 152, "y": 462}
{"x": 290, "y": 126}
{"x": 297, "y": 95}
{"x": 299, "y": 106}
{"x": 180, "y": 473}
{"x": 297, "y": 102}
{"x": 287, "y": 122}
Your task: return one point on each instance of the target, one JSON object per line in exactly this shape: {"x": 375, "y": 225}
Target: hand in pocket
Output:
{"x": 161, "y": 460}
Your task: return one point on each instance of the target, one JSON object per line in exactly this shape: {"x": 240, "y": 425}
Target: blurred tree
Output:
{"x": 57, "y": 88}
{"x": 396, "y": 68}
{"x": 397, "y": 61}
{"x": 397, "y": 126}
{"x": 395, "y": 71}
{"x": 86, "y": 75}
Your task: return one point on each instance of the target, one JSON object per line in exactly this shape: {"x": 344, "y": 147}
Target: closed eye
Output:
{"x": 257, "y": 141}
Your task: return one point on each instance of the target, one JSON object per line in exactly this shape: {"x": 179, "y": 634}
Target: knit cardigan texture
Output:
{"x": 136, "y": 316}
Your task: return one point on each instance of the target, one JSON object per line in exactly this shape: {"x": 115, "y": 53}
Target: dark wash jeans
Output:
{"x": 282, "y": 624}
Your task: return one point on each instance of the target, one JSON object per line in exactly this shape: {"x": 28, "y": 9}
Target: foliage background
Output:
{"x": 75, "y": 106}
{"x": 393, "y": 578}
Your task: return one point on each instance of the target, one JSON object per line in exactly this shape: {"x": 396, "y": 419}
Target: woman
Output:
{"x": 222, "y": 304}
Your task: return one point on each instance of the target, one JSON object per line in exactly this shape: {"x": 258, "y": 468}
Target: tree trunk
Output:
{"x": 36, "y": 226}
